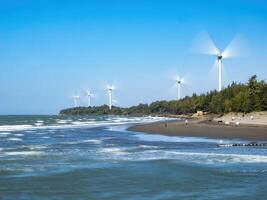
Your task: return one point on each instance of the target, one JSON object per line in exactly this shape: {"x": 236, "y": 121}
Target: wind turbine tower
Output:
{"x": 76, "y": 99}
{"x": 219, "y": 60}
{"x": 179, "y": 82}
{"x": 110, "y": 91}
{"x": 89, "y": 95}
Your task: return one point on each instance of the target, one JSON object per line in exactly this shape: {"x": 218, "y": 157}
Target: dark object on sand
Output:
{"x": 166, "y": 124}
{"x": 220, "y": 121}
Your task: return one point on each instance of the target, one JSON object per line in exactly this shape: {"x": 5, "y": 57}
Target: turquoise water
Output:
{"x": 52, "y": 157}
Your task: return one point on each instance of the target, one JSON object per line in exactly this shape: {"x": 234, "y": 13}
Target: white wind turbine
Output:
{"x": 180, "y": 82}
{"x": 207, "y": 46}
{"x": 110, "y": 90}
{"x": 76, "y": 99}
{"x": 89, "y": 95}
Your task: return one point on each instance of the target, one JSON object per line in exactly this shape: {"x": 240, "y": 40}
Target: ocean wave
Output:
{"x": 45, "y": 137}
{"x": 15, "y": 127}
{"x": 63, "y": 121}
{"x": 79, "y": 124}
{"x": 39, "y": 124}
{"x": 23, "y": 153}
{"x": 83, "y": 123}
{"x": 24, "y": 148}
{"x": 15, "y": 139}
{"x": 93, "y": 141}
{"x": 148, "y": 147}
{"x": 4, "y": 133}
{"x": 113, "y": 151}
{"x": 19, "y": 135}
{"x": 163, "y": 138}
{"x": 148, "y": 153}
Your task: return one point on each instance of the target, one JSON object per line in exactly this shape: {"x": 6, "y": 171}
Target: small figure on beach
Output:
{"x": 251, "y": 117}
{"x": 186, "y": 122}
{"x": 233, "y": 118}
{"x": 165, "y": 124}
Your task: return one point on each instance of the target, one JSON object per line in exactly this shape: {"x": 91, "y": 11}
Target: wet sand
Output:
{"x": 205, "y": 129}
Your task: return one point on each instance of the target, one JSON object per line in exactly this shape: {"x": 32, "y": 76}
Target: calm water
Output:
{"x": 51, "y": 157}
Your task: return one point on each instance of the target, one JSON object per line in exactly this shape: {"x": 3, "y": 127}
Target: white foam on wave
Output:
{"x": 113, "y": 151}
{"x": 148, "y": 147}
{"x": 35, "y": 147}
{"x": 15, "y": 139}
{"x": 93, "y": 141}
{"x": 163, "y": 138}
{"x": 15, "y": 127}
{"x": 38, "y": 124}
{"x": 211, "y": 158}
{"x": 4, "y": 133}
{"x": 23, "y": 153}
{"x": 148, "y": 153}
{"x": 30, "y": 131}
{"x": 46, "y": 137}
{"x": 63, "y": 121}
{"x": 19, "y": 134}
{"x": 83, "y": 123}
{"x": 80, "y": 124}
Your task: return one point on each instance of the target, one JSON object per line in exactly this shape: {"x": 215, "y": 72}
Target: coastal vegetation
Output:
{"x": 237, "y": 97}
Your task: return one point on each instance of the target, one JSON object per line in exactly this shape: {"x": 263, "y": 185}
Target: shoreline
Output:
{"x": 204, "y": 129}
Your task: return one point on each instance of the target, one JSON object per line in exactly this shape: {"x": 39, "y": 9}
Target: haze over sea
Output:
{"x": 56, "y": 157}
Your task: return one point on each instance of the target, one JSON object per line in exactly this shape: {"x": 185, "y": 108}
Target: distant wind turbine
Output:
{"x": 76, "y": 99}
{"x": 179, "y": 82}
{"x": 89, "y": 95}
{"x": 110, "y": 90}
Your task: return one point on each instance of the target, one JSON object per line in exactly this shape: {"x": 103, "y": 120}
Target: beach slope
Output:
{"x": 204, "y": 129}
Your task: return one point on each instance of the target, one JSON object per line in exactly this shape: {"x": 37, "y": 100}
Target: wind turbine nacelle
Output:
{"x": 219, "y": 56}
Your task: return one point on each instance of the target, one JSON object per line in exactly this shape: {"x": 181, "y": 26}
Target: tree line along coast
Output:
{"x": 237, "y": 97}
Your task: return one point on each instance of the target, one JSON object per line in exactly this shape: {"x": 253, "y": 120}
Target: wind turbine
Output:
{"x": 179, "y": 82}
{"x": 89, "y": 94}
{"x": 208, "y": 47}
{"x": 76, "y": 99}
{"x": 110, "y": 93}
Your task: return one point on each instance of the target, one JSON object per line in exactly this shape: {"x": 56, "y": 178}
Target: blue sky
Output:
{"x": 53, "y": 49}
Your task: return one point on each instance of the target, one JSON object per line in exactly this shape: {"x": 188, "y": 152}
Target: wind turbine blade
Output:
{"x": 184, "y": 80}
{"x": 177, "y": 78}
{"x": 203, "y": 44}
{"x": 236, "y": 48}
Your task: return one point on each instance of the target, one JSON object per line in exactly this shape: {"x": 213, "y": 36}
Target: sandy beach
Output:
{"x": 205, "y": 129}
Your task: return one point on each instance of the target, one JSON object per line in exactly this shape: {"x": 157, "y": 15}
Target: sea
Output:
{"x": 95, "y": 158}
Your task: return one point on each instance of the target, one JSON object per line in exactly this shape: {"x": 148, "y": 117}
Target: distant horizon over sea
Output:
{"x": 95, "y": 157}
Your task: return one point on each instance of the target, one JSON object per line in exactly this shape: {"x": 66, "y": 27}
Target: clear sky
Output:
{"x": 53, "y": 49}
